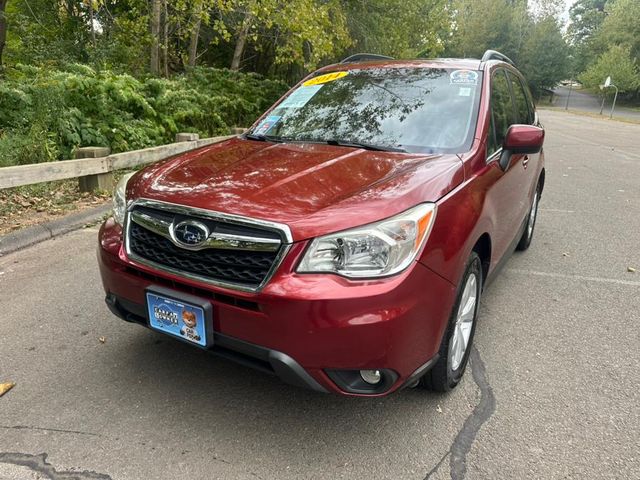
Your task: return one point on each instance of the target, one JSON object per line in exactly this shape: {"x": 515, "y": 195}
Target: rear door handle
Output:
{"x": 525, "y": 161}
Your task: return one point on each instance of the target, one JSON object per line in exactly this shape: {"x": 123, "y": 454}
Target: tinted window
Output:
{"x": 501, "y": 107}
{"x": 522, "y": 104}
{"x": 418, "y": 109}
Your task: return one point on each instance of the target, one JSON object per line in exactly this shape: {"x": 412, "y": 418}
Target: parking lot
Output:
{"x": 552, "y": 392}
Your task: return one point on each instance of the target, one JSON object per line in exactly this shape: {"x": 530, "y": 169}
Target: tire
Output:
{"x": 527, "y": 235}
{"x": 449, "y": 369}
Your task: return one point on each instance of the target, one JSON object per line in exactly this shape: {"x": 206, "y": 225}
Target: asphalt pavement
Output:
{"x": 552, "y": 392}
{"x": 582, "y": 101}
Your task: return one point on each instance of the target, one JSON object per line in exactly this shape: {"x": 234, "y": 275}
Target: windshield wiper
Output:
{"x": 264, "y": 138}
{"x": 366, "y": 146}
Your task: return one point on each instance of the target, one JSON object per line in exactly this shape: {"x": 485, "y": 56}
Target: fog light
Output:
{"x": 372, "y": 377}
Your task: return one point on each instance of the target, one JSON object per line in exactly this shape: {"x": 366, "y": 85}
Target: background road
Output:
{"x": 587, "y": 102}
{"x": 552, "y": 392}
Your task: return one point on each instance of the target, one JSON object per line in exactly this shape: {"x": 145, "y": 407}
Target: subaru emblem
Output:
{"x": 190, "y": 233}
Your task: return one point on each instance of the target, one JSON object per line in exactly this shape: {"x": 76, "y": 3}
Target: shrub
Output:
{"x": 46, "y": 114}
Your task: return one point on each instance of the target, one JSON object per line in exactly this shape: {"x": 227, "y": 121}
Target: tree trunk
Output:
{"x": 165, "y": 41}
{"x": 93, "y": 27}
{"x": 242, "y": 40}
{"x": 195, "y": 35}
{"x": 3, "y": 28}
{"x": 155, "y": 36}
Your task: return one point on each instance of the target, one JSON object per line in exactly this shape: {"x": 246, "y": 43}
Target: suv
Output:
{"x": 344, "y": 241}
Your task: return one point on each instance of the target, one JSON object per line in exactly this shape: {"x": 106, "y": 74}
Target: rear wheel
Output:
{"x": 527, "y": 235}
{"x": 456, "y": 342}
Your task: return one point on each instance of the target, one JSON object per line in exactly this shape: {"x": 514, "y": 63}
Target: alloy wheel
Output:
{"x": 464, "y": 322}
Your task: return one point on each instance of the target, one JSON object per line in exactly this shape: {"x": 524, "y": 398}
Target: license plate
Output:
{"x": 182, "y": 316}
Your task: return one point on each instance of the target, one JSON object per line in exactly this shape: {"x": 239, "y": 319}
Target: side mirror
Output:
{"x": 521, "y": 139}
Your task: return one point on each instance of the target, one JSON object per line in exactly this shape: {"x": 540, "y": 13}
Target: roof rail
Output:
{"x": 365, "y": 57}
{"x": 495, "y": 55}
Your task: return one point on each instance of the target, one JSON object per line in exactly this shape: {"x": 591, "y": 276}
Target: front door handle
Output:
{"x": 525, "y": 161}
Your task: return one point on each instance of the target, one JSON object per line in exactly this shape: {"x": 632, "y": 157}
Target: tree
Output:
{"x": 3, "y": 28}
{"x": 488, "y": 24}
{"x": 197, "y": 16}
{"x": 398, "y": 28}
{"x": 156, "y": 13}
{"x": 618, "y": 64}
{"x": 585, "y": 16}
{"x": 621, "y": 26}
{"x": 544, "y": 57}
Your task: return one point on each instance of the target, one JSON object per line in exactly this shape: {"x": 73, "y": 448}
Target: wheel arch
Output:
{"x": 483, "y": 248}
{"x": 541, "y": 180}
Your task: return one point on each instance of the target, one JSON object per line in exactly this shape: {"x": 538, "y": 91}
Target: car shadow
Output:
{"x": 213, "y": 400}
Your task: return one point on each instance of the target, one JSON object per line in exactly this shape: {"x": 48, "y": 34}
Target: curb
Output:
{"x": 31, "y": 235}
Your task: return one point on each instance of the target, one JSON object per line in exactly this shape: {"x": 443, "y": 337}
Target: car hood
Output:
{"x": 313, "y": 188}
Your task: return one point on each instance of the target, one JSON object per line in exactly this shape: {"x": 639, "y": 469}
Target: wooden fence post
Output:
{"x": 187, "y": 137}
{"x": 100, "y": 181}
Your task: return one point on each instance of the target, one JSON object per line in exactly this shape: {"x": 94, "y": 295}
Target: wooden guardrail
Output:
{"x": 94, "y": 165}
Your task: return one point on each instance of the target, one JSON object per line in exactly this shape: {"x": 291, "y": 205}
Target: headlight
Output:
{"x": 375, "y": 250}
{"x": 120, "y": 198}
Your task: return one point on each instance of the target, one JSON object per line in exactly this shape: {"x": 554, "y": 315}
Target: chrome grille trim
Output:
{"x": 215, "y": 240}
{"x": 223, "y": 241}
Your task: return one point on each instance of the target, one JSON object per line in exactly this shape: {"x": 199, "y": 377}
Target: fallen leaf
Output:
{"x": 631, "y": 270}
{"x": 565, "y": 254}
{"x": 5, "y": 387}
{"x": 438, "y": 409}
{"x": 102, "y": 339}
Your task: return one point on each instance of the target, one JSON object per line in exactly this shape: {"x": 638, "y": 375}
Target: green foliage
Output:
{"x": 621, "y": 26}
{"x": 618, "y": 64}
{"x": 544, "y": 55}
{"x": 534, "y": 42}
{"x": 46, "y": 114}
{"x": 398, "y": 28}
{"x": 606, "y": 35}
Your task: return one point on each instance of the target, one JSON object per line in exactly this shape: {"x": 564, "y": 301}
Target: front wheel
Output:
{"x": 456, "y": 342}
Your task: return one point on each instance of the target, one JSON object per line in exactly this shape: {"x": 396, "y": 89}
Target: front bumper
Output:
{"x": 300, "y": 326}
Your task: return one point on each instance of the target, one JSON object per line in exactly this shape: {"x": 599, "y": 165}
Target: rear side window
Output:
{"x": 501, "y": 110}
{"x": 523, "y": 111}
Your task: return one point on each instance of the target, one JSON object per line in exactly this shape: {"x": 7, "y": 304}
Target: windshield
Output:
{"x": 412, "y": 109}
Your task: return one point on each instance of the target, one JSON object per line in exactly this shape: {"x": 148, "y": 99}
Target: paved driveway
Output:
{"x": 552, "y": 393}
{"x": 587, "y": 102}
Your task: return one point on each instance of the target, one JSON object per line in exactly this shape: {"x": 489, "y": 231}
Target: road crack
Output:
{"x": 39, "y": 464}
{"x": 42, "y": 429}
{"x": 461, "y": 445}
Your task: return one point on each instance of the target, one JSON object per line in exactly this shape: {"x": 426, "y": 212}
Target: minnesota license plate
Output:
{"x": 182, "y": 316}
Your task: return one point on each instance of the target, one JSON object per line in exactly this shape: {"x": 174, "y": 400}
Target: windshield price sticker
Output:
{"x": 300, "y": 97}
{"x": 464, "y": 77}
{"x": 326, "y": 78}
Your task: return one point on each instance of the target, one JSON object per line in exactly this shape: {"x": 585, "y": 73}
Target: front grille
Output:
{"x": 245, "y": 268}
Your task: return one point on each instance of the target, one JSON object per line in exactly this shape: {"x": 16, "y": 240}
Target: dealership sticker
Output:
{"x": 326, "y": 78}
{"x": 266, "y": 124}
{"x": 464, "y": 77}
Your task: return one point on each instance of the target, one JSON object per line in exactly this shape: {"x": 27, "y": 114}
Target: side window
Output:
{"x": 501, "y": 109}
{"x": 524, "y": 113}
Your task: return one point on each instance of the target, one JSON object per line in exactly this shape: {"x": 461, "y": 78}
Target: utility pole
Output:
{"x": 566, "y": 107}
{"x": 614, "y": 101}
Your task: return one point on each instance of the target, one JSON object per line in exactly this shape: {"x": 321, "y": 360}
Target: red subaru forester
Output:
{"x": 344, "y": 241}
